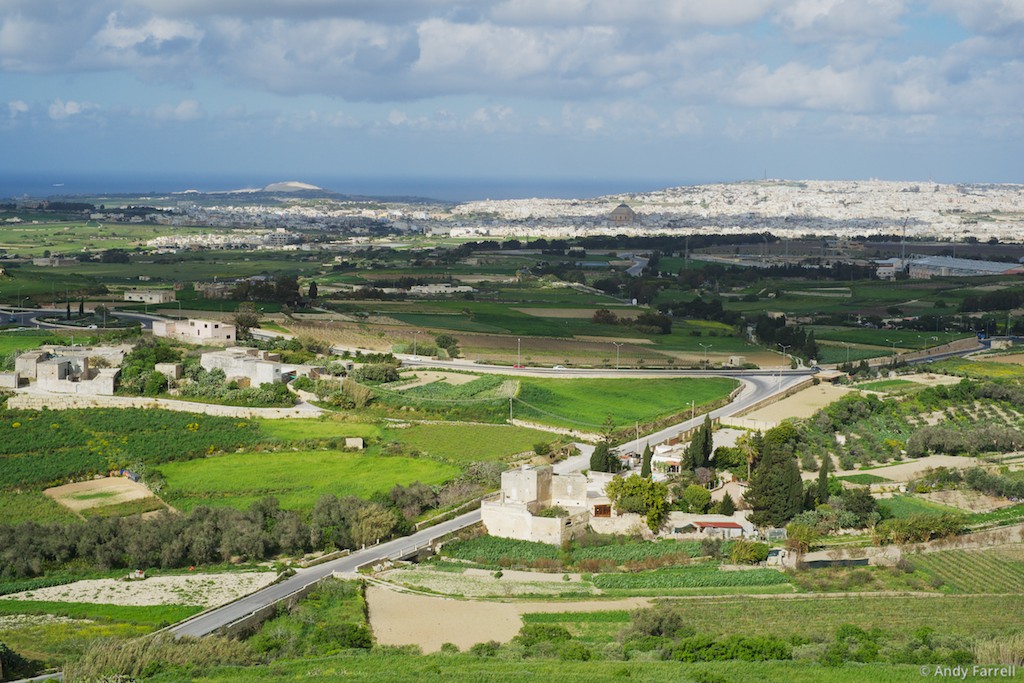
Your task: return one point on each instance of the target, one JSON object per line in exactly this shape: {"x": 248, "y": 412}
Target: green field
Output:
{"x": 887, "y": 385}
{"x": 975, "y": 571}
{"x": 21, "y": 341}
{"x": 587, "y": 402}
{"x": 374, "y": 668}
{"x": 907, "y": 505}
{"x": 52, "y": 642}
{"x": 905, "y": 339}
{"x": 463, "y": 444}
{"x": 976, "y": 369}
{"x": 296, "y": 479}
{"x": 305, "y": 429}
{"x": 31, "y": 506}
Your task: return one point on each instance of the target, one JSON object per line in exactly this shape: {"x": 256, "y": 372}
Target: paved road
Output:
{"x": 29, "y": 317}
{"x": 755, "y": 389}
{"x": 209, "y": 622}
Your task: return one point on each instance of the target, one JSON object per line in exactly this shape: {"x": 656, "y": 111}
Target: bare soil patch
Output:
{"x": 424, "y": 377}
{"x": 972, "y": 501}
{"x": 206, "y": 590}
{"x": 98, "y": 493}
{"x": 407, "y": 619}
{"x": 609, "y": 340}
{"x": 801, "y": 404}
{"x": 908, "y": 470}
{"x": 931, "y": 380}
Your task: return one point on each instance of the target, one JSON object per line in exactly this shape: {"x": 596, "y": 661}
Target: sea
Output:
{"x": 60, "y": 184}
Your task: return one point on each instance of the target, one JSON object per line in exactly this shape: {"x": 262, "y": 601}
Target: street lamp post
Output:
{"x": 847, "y": 345}
{"x": 894, "y": 343}
{"x": 415, "y": 341}
{"x": 519, "y": 352}
{"x": 693, "y": 409}
{"x": 705, "y": 347}
{"x": 778, "y": 383}
{"x": 617, "y": 346}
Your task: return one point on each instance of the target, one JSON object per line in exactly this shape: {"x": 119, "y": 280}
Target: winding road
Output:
{"x": 757, "y": 385}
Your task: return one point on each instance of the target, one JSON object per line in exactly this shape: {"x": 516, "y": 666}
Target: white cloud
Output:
{"x": 186, "y": 110}
{"x": 814, "y": 20}
{"x": 796, "y": 85}
{"x": 16, "y": 107}
{"x": 60, "y": 110}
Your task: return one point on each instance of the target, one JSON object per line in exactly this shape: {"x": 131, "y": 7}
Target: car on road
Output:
{"x": 558, "y": 367}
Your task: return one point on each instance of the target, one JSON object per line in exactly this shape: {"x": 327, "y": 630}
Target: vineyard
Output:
{"x": 976, "y": 571}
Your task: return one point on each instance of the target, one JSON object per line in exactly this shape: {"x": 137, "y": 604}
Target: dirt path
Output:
{"x": 408, "y": 619}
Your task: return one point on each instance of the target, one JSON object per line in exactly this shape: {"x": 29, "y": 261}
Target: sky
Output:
{"x": 655, "y": 92}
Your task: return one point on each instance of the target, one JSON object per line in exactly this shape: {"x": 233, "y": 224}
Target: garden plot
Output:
{"x": 908, "y": 470}
{"x": 86, "y": 495}
{"x": 207, "y": 590}
{"x": 971, "y": 501}
{"x": 423, "y": 378}
{"x": 482, "y": 583}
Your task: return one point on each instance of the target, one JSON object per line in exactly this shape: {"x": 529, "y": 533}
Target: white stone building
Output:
{"x": 149, "y": 296}
{"x": 196, "y": 331}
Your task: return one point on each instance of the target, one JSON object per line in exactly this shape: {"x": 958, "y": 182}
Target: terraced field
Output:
{"x": 999, "y": 570}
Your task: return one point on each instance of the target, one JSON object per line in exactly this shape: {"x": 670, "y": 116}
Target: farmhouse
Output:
{"x": 64, "y": 370}
{"x": 195, "y": 331}
{"x": 527, "y": 492}
{"x": 149, "y": 296}
{"x": 255, "y": 367}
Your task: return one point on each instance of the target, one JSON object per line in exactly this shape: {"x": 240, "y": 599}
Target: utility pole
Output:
{"x": 705, "y": 347}
{"x": 415, "y": 341}
{"x": 693, "y": 409}
{"x": 510, "y": 410}
{"x": 519, "y": 353}
{"x": 617, "y": 345}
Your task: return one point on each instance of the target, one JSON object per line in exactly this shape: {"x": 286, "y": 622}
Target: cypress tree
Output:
{"x": 645, "y": 468}
{"x": 823, "y": 472}
{"x": 599, "y": 459}
{"x": 776, "y": 493}
{"x": 727, "y": 505}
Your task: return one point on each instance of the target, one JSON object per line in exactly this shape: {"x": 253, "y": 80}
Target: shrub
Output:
{"x": 748, "y": 552}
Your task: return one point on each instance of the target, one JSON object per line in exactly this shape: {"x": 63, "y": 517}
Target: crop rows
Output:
{"x": 632, "y": 552}
{"x": 46, "y": 447}
{"x": 692, "y": 577}
{"x": 493, "y": 551}
{"x": 971, "y": 571}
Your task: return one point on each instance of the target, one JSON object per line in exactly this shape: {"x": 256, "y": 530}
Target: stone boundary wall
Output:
{"x": 74, "y": 401}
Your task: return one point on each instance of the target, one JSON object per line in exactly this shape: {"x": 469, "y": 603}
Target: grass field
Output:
{"x": 463, "y": 667}
{"x": 21, "y": 341}
{"x": 303, "y": 429}
{"x": 890, "y": 385}
{"x": 296, "y": 479}
{"x": 904, "y": 506}
{"x": 905, "y": 339}
{"x": 25, "y": 506}
{"x": 587, "y": 402}
{"x": 48, "y": 637}
{"x": 977, "y": 369}
{"x": 463, "y": 444}
{"x": 817, "y": 617}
